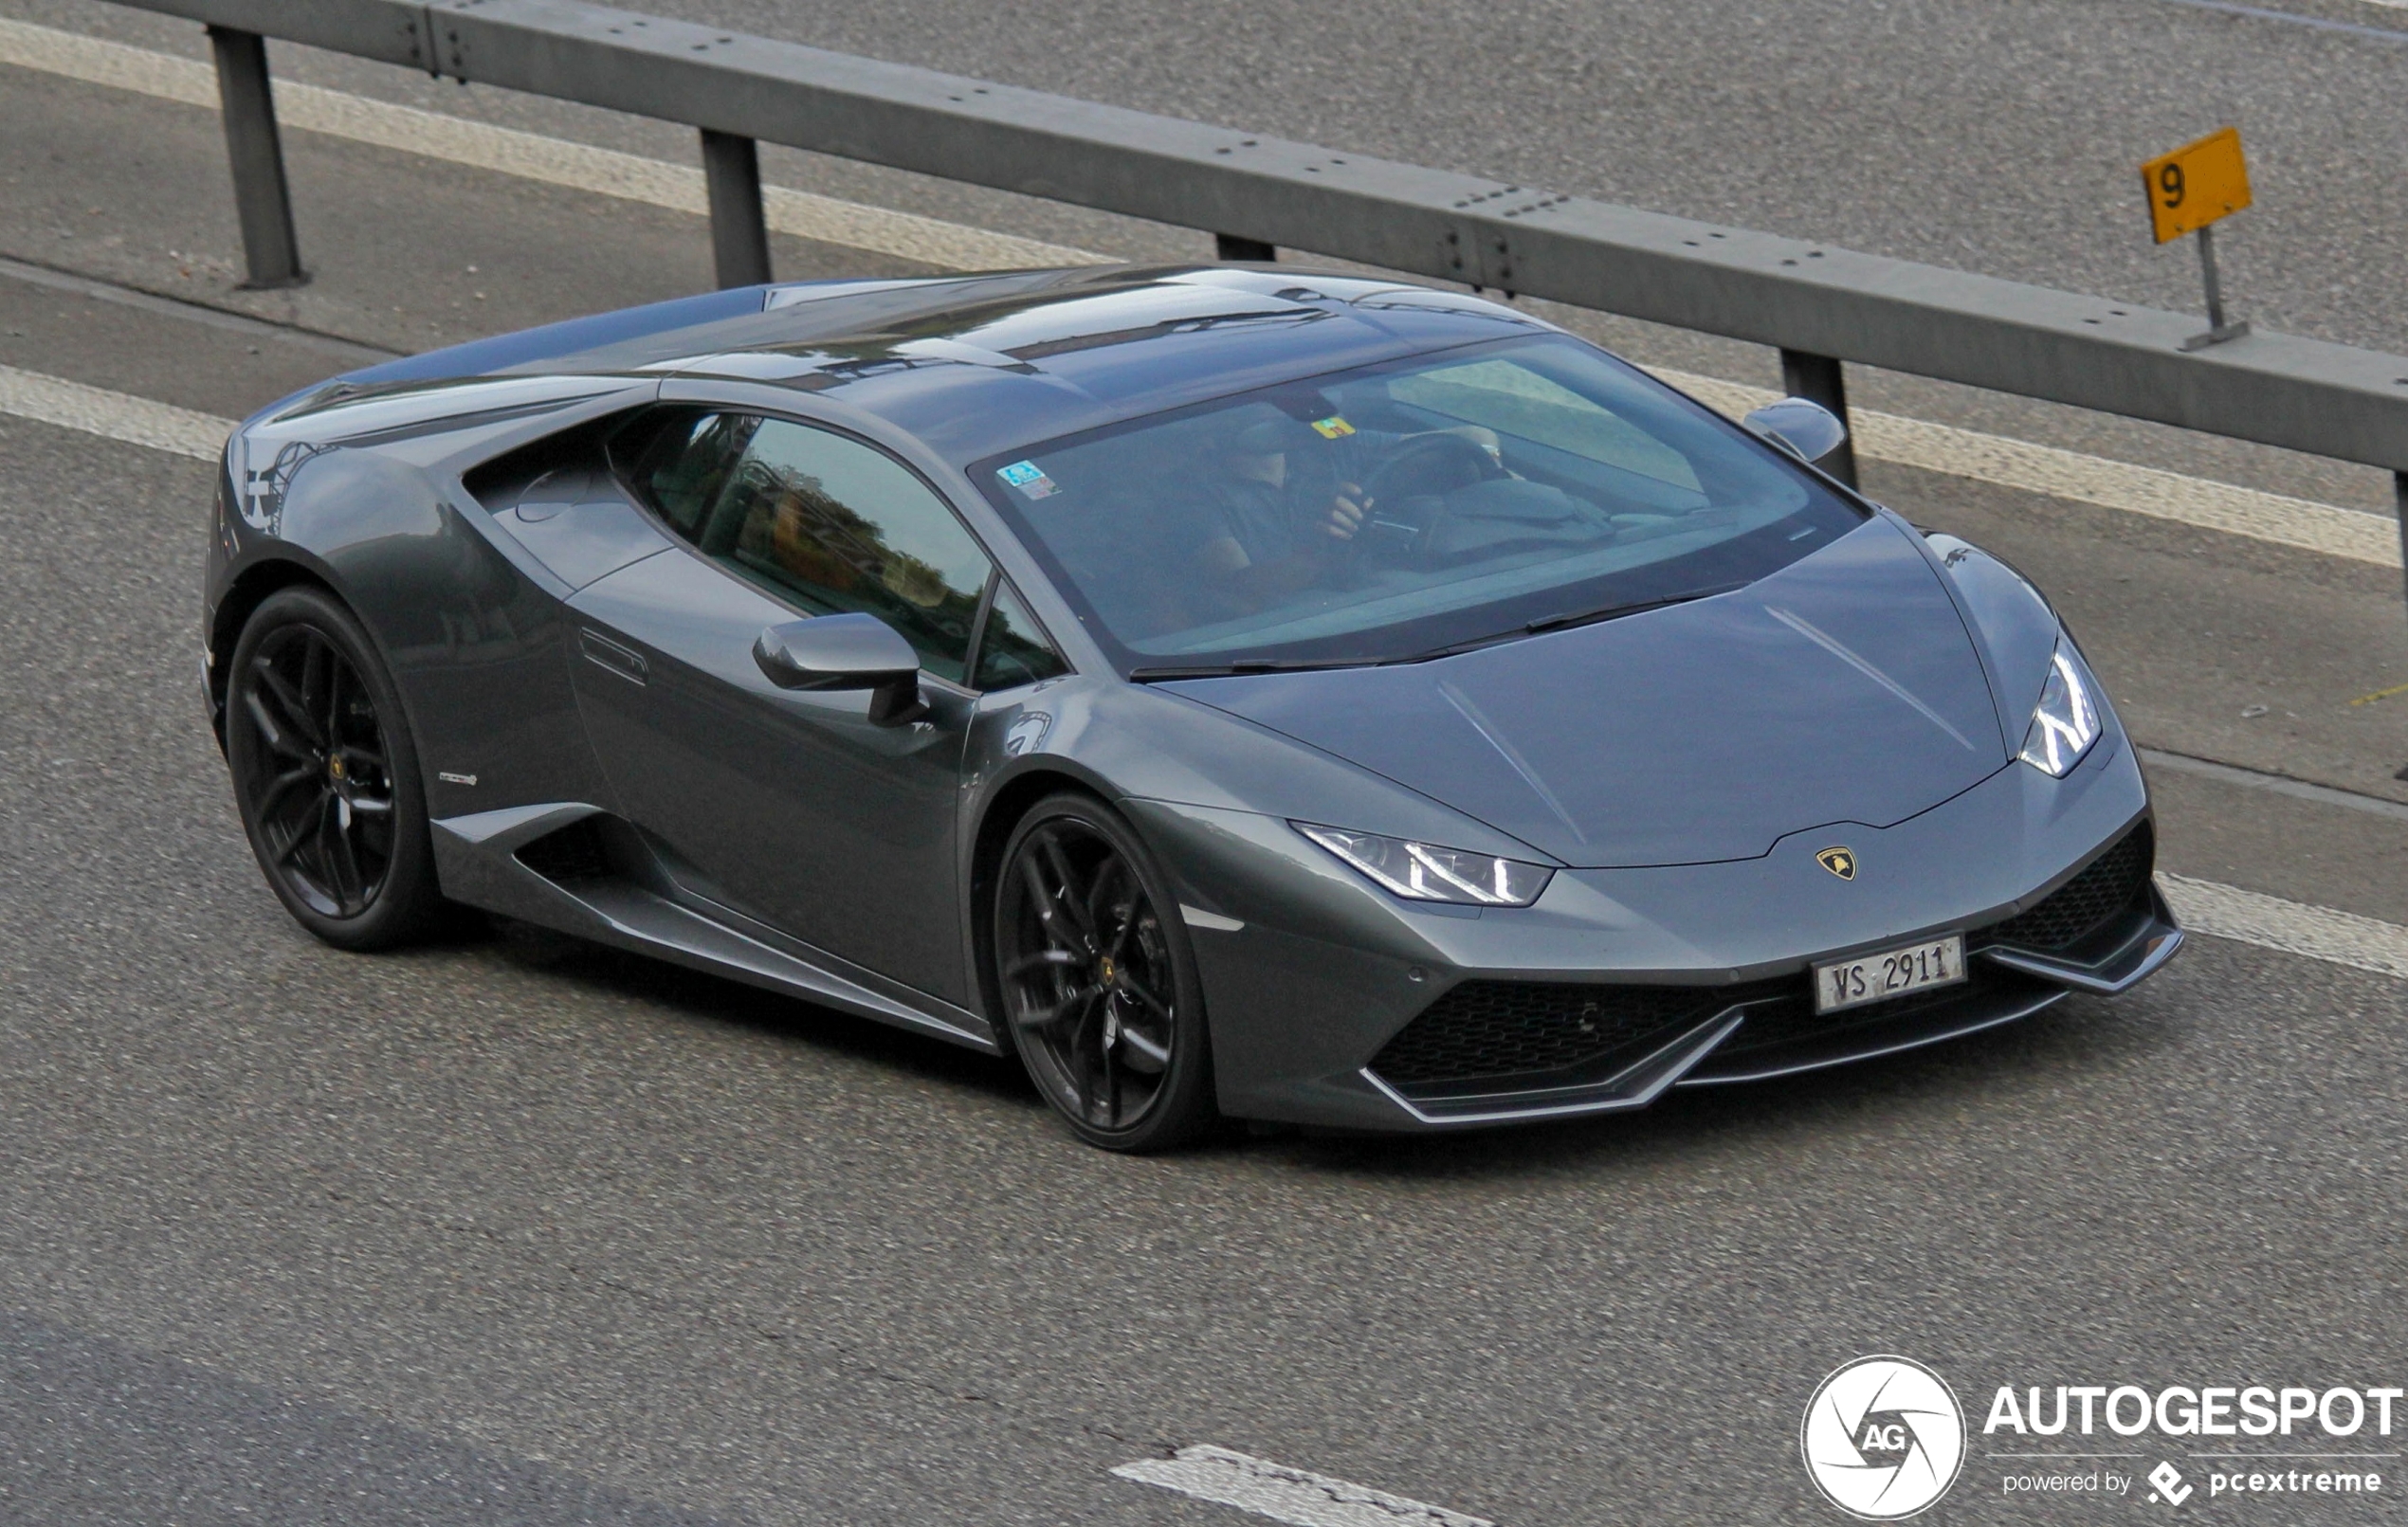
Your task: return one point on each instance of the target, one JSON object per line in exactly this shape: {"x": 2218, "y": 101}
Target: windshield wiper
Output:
{"x": 1568, "y": 619}
{"x": 1224, "y": 671}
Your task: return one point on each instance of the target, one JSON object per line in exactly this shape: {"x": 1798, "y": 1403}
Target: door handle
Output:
{"x": 624, "y": 661}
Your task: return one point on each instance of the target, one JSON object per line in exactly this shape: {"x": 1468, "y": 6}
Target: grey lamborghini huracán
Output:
{"x": 1236, "y": 691}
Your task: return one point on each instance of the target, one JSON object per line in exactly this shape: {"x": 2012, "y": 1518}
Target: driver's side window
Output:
{"x": 824, "y": 523}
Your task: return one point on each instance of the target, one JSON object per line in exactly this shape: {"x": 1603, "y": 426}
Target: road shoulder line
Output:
{"x": 2298, "y": 789}
{"x": 347, "y": 352}
{"x": 2056, "y": 473}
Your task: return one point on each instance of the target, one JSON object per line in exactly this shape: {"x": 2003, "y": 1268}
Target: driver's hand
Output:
{"x": 1346, "y": 513}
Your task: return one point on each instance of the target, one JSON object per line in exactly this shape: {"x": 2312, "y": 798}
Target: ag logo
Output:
{"x": 1840, "y": 862}
{"x": 1883, "y": 1438}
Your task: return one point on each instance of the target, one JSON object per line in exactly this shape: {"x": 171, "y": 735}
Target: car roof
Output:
{"x": 975, "y": 364}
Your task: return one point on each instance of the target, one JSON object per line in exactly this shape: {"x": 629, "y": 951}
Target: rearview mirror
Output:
{"x": 1801, "y": 427}
{"x": 852, "y": 651}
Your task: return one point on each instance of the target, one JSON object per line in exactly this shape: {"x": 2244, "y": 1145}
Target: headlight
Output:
{"x": 1424, "y": 872}
{"x": 2066, "y": 721}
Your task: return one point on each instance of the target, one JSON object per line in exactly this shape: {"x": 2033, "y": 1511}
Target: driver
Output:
{"x": 1283, "y": 501}
{"x": 1277, "y": 514}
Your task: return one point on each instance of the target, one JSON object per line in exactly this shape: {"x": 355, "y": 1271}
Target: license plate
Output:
{"x": 1893, "y": 972}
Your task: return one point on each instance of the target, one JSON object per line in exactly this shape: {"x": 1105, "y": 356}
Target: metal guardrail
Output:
{"x": 1819, "y": 305}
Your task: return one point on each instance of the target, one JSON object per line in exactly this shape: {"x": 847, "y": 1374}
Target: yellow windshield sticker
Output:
{"x": 1332, "y": 427}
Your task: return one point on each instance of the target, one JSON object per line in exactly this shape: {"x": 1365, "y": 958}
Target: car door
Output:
{"x": 790, "y": 807}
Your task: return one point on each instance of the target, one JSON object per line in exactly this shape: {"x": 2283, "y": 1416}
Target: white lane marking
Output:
{"x": 1284, "y": 1494}
{"x": 2064, "y": 473}
{"x": 1968, "y": 453}
{"x": 530, "y": 155}
{"x": 112, "y": 415}
{"x": 2289, "y": 927}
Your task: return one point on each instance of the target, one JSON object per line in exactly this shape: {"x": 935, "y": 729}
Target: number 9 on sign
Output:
{"x": 2197, "y": 184}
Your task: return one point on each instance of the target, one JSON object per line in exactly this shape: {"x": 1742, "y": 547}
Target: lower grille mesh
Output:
{"x": 1491, "y": 1031}
{"x": 2110, "y": 885}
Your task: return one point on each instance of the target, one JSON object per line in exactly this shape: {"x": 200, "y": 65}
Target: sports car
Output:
{"x": 1235, "y": 691}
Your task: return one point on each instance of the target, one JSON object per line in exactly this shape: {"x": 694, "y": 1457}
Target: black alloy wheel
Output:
{"x": 325, "y": 775}
{"x": 1097, "y": 982}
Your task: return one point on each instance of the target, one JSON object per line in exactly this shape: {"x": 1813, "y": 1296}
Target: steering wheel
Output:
{"x": 1430, "y": 466}
{"x": 1444, "y": 462}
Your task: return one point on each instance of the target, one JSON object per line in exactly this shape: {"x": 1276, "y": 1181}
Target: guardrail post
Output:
{"x": 263, "y": 202}
{"x": 2399, "y": 502}
{"x": 1817, "y": 379}
{"x": 739, "y": 234}
{"x": 1230, "y": 246}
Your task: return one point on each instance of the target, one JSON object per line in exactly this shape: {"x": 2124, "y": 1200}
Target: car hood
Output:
{"x": 1843, "y": 688}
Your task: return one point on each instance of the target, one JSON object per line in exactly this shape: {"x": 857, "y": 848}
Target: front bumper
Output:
{"x": 1767, "y": 1029}
{"x": 1696, "y": 974}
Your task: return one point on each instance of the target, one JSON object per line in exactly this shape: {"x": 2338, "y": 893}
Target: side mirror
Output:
{"x": 1804, "y": 428}
{"x": 853, "y": 651}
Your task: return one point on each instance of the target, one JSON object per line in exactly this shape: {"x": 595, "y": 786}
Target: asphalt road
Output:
{"x": 516, "y": 1231}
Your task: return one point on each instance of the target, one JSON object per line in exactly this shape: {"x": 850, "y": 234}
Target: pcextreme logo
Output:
{"x": 1883, "y": 1438}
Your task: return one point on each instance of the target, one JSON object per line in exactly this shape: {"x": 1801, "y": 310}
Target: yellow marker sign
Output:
{"x": 2196, "y": 183}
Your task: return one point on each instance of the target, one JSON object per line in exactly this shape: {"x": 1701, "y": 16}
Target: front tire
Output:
{"x": 1098, "y": 980}
{"x": 326, "y": 774}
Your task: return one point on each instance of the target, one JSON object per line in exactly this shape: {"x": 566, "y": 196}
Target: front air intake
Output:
{"x": 1520, "y": 1036}
{"x": 2107, "y": 888}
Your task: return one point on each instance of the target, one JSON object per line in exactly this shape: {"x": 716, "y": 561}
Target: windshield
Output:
{"x": 1405, "y": 510}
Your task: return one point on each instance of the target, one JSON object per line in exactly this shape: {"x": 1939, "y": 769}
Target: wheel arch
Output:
{"x": 248, "y": 590}
{"x": 1005, "y": 805}
{"x": 1005, "y": 810}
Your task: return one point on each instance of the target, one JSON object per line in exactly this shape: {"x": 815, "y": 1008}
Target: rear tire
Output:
{"x": 326, "y": 774}
{"x": 1097, "y": 980}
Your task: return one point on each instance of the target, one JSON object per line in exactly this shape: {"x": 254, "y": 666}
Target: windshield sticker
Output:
{"x": 1333, "y": 427}
{"x": 1030, "y": 479}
